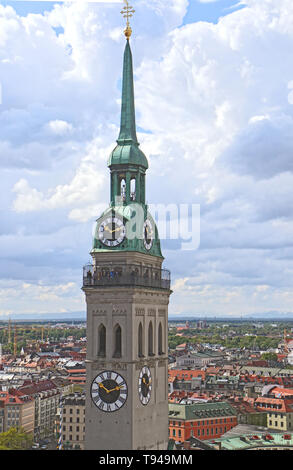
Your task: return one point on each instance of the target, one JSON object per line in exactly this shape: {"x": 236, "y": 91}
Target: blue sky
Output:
{"x": 213, "y": 88}
{"x": 25, "y": 7}
{"x": 210, "y": 11}
{"x": 197, "y": 11}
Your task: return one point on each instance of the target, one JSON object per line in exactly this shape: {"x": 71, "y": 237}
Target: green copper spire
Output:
{"x": 127, "y": 150}
{"x": 127, "y": 126}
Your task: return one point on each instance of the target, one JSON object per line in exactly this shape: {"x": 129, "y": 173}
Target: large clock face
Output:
{"x": 111, "y": 231}
{"x": 145, "y": 385}
{"x": 109, "y": 391}
{"x": 148, "y": 234}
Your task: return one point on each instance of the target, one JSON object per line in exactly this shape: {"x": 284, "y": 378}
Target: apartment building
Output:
{"x": 16, "y": 412}
{"x": 46, "y": 399}
{"x": 277, "y": 402}
{"x": 201, "y": 420}
{"x": 71, "y": 416}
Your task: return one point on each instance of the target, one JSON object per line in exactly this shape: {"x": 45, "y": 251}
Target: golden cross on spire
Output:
{"x": 127, "y": 12}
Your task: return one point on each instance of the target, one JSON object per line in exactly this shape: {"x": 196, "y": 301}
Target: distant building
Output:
{"x": 221, "y": 382}
{"x": 202, "y": 420}
{"x": 198, "y": 359}
{"x": 46, "y": 398}
{"x": 247, "y": 413}
{"x": 182, "y": 347}
{"x": 253, "y": 440}
{"x": 16, "y": 412}
{"x": 277, "y": 402}
{"x": 185, "y": 379}
{"x": 77, "y": 375}
{"x": 72, "y": 419}
{"x": 266, "y": 371}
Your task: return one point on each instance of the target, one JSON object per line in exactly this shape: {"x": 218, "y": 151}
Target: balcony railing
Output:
{"x": 126, "y": 275}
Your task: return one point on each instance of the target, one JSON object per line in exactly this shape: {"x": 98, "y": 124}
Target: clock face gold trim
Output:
{"x": 109, "y": 391}
{"x": 148, "y": 234}
{"x": 111, "y": 231}
{"x": 145, "y": 385}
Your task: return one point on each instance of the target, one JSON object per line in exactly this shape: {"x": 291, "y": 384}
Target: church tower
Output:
{"x": 127, "y": 295}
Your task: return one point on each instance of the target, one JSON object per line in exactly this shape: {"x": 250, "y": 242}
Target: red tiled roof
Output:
{"x": 76, "y": 371}
{"x": 37, "y": 387}
{"x": 7, "y": 398}
{"x": 186, "y": 374}
{"x": 282, "y": 392}
{"x": 79, "y": 379}
{"x": 286, "y": 405}
{"x": 263, "y": 378}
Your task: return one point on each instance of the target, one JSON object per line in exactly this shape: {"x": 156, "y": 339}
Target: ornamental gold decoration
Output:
{"x": 127, "y": 12}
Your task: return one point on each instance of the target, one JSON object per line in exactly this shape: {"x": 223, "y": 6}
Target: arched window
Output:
{"x": 102, "y": 341}
{"x": 160, "y": 339}
{"x": 123, "y": 189}
{"x": 151, "y": 340}
{"x": 117, "y": 341}
{"x": 133, "y": 189}
{"x": 140, "y": 341}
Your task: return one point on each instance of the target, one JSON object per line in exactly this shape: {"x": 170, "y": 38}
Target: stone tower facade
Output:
{"x": 127, "y": 295}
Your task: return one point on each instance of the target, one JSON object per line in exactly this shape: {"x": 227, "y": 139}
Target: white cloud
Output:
{"x": 30, "y": 298}
{"x": 86, "y": 187}
{"x": 59, "y": 127}
{"x": 216, "y": 99}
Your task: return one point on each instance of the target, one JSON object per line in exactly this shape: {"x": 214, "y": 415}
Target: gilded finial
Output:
{"x": 127, "y": 12}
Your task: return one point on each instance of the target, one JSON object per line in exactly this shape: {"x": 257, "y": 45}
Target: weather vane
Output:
{"x": 127, "y": 12}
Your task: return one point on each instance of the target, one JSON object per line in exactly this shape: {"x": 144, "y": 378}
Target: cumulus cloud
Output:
{"x": 39, "y": 298}
{"x": 264, "y": 148}
{"x": 213, "y": 103}
{"x": 86, "y": 187}
{"x": 59, "y": 127}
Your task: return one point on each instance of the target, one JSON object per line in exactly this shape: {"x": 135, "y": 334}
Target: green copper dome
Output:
{"x": 128, "y": 154}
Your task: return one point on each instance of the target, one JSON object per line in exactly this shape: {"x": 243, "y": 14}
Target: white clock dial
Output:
{"x": 145, "y": 385}
{"x": 148, "y": 234}
{"x": 109, "y": 391}
{"x": 111, "y": 231}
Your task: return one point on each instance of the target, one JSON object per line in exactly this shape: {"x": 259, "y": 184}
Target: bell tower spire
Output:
{"x": 127, "y": 162}
{"x": 127, "y": 133}
{"x": 128, "y": 165}
{"x": 127, "y": 125}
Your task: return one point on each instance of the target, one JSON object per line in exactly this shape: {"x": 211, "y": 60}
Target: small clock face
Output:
{"x": 109, "y": 391}
{"x": 145, "y": 385}
{"x": 111, "y": 231}
{"x": 148, "y": 234}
